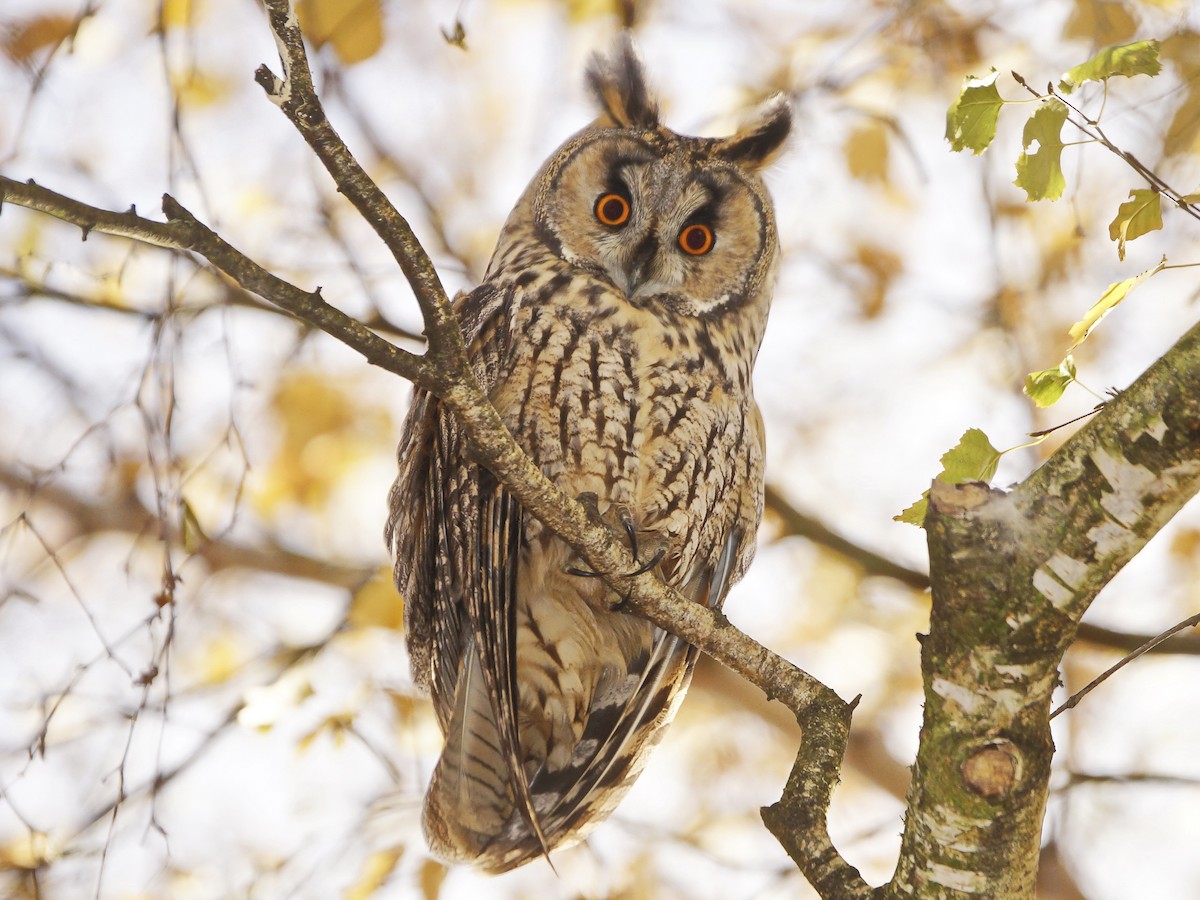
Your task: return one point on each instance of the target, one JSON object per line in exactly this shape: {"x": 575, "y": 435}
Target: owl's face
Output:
{"x": 670, "y": 221}
{"x": 660, "y": 219}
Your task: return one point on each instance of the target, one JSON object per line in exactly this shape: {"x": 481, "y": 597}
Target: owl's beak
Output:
{"x": 640, "y": 264}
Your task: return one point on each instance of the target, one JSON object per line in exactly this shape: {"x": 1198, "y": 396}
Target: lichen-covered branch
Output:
{"x": 1012, "y": 573}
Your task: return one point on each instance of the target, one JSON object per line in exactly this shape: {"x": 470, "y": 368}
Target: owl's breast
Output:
{"x": 611, "y": 399}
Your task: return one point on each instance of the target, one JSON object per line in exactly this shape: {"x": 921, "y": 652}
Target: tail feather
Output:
{"x": 469, "y": 800}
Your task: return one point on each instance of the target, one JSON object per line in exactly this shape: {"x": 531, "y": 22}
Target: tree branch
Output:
{"x": 1012, "y": 573}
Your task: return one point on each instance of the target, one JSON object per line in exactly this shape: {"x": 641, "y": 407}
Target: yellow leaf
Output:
{"x": 191, "y": 533}
{"x": 376, "y": 870}
{"x": 881, "y": 267}
{"x": 1108, "y": 301}
{"x": 377, "y": 604}
{"x": 431, "y": 876}
{"x": 1185, "y": 546}
{"x": 1183, "y": 134}
{"x": 267, "y": 704}
{"x": 198, "y": 89}
{"x": 22, "y": 40}
{"x": 30, "y": 851}
{"x": 584, "y": 10}
{"x": 221, "y": 660}
{"x": 336, "y": 726}
{"x": 354, "y": 28}
{"x": 866, "y": 152}
{"x": 326, "y": 430}
{"x": 1100, "y": 21}
{"x": 1139, "y": 215}
{"x": 177, "y": 13}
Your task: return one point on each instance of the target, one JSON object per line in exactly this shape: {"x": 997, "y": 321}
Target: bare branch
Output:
{"x": 1147, "y": 647}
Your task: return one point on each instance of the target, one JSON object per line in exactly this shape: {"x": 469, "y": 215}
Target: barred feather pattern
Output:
{"x": 549, "y": 695}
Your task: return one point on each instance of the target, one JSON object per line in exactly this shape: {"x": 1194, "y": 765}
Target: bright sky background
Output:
{"x": 859, "y": 409}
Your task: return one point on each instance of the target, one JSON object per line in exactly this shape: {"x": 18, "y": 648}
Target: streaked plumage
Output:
{"x": 617, "y": 345}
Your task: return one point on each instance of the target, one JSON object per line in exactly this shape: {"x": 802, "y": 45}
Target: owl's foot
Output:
{"x": 624, "y": 519}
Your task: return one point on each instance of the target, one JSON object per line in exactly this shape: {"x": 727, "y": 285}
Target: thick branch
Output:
{"x": 1012, "y": 574}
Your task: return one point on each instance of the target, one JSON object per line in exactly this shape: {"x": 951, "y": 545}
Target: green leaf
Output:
{"x": 971, "y": 118}
{"x": 915, "y": 514}
{"x": 1138, "y": 58}
{"x": 1116, "y": 292}
{"x": 1140, "y": 214}
{"x": 973, "y": 458}
{"x": 1046, "y": 388}
{"x": 1040, "y": 174}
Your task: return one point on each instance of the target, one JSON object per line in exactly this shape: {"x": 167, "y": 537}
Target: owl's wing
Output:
{"x": 435, "y": 496}
{"x": 623, "y": 732}
{"x": 456, "y": 535}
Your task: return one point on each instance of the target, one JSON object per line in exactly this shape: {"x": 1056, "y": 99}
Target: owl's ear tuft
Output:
{"x": 619, "y": 83}
{"x": 760, "y": 141}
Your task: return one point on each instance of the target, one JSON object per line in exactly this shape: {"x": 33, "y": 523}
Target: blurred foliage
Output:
{"x": 198, "y": 622}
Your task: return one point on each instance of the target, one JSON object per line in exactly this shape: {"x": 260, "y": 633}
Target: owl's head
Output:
{"x": 669, "y": 220}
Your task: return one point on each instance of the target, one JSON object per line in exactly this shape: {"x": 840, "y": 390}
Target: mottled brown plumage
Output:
{"x": 616, "y": 338}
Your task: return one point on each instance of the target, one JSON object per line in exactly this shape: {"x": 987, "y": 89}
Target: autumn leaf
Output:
{"x": 973, "y": 458}
{"x": 1100, "y": 21}
{"x": 1182, "y": 49}
{"x": 866, "y": 152}
{"x": 354, "y": 28}
{"x": 1108, "y": 301}
{"x": 430, "y": 878}
{"x": 328, "y": 427}
{"x": 1040, "y": 174}
{"x": 190, "y": 531}
{"x": 971, "y": 119}
{"x": 176, "y": 13}
{"x": 1138, "y": 58}
{"x": 1046, "y": 388}
{"x": 376, "y": 870}
{"x": 581, "y": 11}
{"x": 1140, "y": 214}
{"x": 22, "y": 40}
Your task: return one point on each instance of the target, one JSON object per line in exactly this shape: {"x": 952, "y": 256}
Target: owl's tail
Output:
{"x": 469, "y": 801}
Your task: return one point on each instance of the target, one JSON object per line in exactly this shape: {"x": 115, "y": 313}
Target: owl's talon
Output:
{"x": 582, "y": 573}
{"x": 640, "y": 570}
{"x": 654, "y": 561}
{"x": 626, "y": 520}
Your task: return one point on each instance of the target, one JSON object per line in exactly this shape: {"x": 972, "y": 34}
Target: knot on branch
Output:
{"x": 993, "y": 770}
{"x": 959, "y": 499}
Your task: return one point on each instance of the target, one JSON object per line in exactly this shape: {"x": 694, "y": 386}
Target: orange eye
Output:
{"x": 612, "y": 210}
{"x": 696, "y": 239}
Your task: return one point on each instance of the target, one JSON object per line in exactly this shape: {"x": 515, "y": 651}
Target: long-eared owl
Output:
{"x": 615, "y": 332}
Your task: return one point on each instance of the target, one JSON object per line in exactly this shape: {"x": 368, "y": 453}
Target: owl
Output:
{"x": 615, "y": 332}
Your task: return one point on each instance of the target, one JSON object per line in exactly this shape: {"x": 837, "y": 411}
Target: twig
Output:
{"x": 1092, "y": 129}
{"x": 1074, "y": 699}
